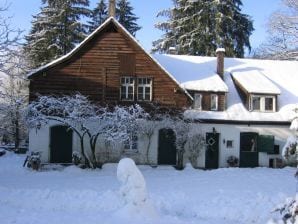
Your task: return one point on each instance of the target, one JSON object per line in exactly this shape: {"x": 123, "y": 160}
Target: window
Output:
{"x": 230, "y": 144}
{"x": 214, "y": 102}
{"x": 262, "y": 103}
{"x": 131, "y": 144}
{"x": 268, "y": 103}
{"x": 145, "y": 89}
{"x": 198, "y": 101}
{"x": 127, "y": 88}
{"x": 256, "y": 103}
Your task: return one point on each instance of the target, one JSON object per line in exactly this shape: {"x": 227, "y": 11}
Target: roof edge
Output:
{"x": 79, "y": 46}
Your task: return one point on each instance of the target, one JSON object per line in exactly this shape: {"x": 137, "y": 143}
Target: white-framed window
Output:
{"x": 127, "y": 88}
{"x": 269, "y": 104}
{"x": 144, "y": 89}
{"x": 198, "y": 101}
{"x": 262, "y": 103}
{"x": 131, "y": 144}
{"x": 214, "y": 102}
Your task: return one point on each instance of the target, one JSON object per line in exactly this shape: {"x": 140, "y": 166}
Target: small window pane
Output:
{"x": 198, "y": 101}
{"x": 213, "y": 102}
{"x": 269, "y": 104}
{"x": 256, "y": 103}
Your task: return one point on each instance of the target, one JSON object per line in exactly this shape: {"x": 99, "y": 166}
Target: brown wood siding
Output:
{"x": 95, "y": 71}
{"x": 206, "y": 99}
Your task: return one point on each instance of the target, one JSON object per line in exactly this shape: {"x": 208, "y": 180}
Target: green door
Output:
{"x": 61, "y": 145}
{"x": 249, "y": 156}
{"x": 212, "y": 151}
{"x": 167, "y": 152}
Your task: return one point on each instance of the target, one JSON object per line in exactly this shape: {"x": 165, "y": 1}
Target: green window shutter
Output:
{"x": 266, "y": 143}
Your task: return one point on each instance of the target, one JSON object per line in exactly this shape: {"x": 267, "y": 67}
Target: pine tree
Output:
{"x": 125, "y": 16}
{"x": 56, "y": 30}
{"x": 99, "y": 15}
{"x": 199, "y": 27}
{"x": 41, "y": 43}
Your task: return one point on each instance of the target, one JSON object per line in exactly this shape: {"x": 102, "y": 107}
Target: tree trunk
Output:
{"x": 17, "y": 132}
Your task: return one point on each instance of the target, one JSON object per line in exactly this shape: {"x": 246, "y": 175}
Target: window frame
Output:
{"x": 127, "y": 85}
{"x": 131, "y": 144}
{"x": 200, "y": 97}
{"x": 216, "y": 102}
{"x": 263, "y": 103}
{"x": 144, "y": 86}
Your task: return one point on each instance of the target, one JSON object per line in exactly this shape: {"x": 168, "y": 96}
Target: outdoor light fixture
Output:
{"x": 213, "y": 130}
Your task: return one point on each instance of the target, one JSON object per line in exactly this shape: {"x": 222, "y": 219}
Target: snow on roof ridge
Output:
{"x": 53, "y": 63}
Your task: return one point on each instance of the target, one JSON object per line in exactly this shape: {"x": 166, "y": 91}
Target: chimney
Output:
{"x": 220, "y": 53}
{"x": 112, "y": 8}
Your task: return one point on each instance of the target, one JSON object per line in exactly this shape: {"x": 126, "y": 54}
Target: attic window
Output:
{"x": 262, "y": 103}
{"x": 127, "y": 88}
{"x": 144, "y": 89}
{"x": 214, "y": 102}
{"x": 198, "y": 101}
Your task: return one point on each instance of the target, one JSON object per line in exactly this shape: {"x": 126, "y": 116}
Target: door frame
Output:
{"x": 209, "y": 165}
{"x": 159, "y": 145}
{"x": 50, "y": 141}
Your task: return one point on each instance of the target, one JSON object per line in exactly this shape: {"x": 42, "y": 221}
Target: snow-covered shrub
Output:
{"x": 288, "y": 211}
{"x": 76, "y": 158}
{"x": 232, "y": 161}
{"x": 133, "y": 189}
{"x": 33, "y": 161}
{"x": 88, "y": 121}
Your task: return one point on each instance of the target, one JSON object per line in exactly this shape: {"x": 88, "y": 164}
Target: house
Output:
{"x": 243, "y": 106}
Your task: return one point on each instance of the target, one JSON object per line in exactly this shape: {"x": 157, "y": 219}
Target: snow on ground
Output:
{"x": 71, "y": 195}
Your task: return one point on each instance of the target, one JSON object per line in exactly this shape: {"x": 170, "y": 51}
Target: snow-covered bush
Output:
{"x": 189, "y": 139}
{"x": 133, "y": 189}
{"x": 76, "y": 158}
{"x": 289, "y": 210}
{"x": 88, "y": 121}
{"x": 232, "y": 161}
{"x": 33, "y": 161}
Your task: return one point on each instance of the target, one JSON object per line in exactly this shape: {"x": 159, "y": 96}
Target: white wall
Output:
{"x": 39, "y": 140}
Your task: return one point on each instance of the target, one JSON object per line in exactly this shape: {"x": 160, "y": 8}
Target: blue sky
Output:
{"x": 259, "y": 10}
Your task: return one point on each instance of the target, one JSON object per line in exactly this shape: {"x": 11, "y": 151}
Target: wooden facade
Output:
{"x": 95, "y": 69}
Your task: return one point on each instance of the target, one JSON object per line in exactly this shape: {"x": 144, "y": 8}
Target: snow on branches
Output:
{"x": 88, "y": 121}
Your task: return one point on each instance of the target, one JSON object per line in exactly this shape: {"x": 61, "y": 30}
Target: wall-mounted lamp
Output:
{"x": 224, "y": 141}
{"x": 213, "y": 130}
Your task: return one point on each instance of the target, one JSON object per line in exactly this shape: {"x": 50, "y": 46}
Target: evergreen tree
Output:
{"x": 125, "y": 16}
{"x": 98, "y": 16}
{"x": 41, "y": 43}
{"x": 199, "y": 27}
{"x": 56, "y": 30}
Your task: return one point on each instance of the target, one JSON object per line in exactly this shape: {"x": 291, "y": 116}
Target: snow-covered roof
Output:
{"x": 101, "y": 27}
{"x": 193, "y": 74}
{"x": 275, "y": 77}
{"x": 253, "y": 81}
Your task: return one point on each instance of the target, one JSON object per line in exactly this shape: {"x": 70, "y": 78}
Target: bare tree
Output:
{"x": 13, "y": 94}
{"x": 86, "y": 120}
{"x": 283, "y": 34}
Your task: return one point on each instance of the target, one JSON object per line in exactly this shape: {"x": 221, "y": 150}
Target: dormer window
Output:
{"x": 263, "y": 103}
{"x": 214, "y": 102}
{"x": 198, "y": 101}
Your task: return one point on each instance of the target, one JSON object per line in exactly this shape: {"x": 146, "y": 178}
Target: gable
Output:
{"x": 95, "y": 67}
